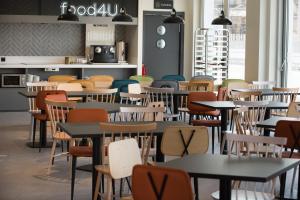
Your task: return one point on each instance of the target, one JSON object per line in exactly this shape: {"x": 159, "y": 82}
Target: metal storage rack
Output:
{"x": 211, "y": 53}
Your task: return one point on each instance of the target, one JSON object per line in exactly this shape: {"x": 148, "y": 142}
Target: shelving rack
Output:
{"x": 211, "y": 53}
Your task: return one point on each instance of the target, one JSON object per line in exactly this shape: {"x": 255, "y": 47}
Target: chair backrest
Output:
{"x": 85, "y": 84}
{"x": 236, "y": 85}
{"x": 87, "y": 115}
{"x": 123, "y": 155}
{"x": 141, "y": 132}
{"x": 222, "y": 92}
{"x": 263, "y": 84}
{"x": 286, "y": 95}
{"x": 200, "y": 96}
{"x": 102, "y": 95}
{"x": 290, "y": 130}
{"x": 246, "y": 96}
{"x": 227, "y": 81}
{"x": 41, "y": 96}
{"x": 173, "y": 78}
{"x": 165, "y": 84}
{"x": 201, "y": 85}
{"x": 162, "y": 94}
{"x": 294, "y": 109}
{"x": 159, "y": 116}
{"x": 185, "y": 140}
{"x": 57, "y": 111}
{"x": 134, "y": 88}
{"x": 151, "y": 182}
{"x": 134, "y": 99}
{"x": 102, "y": 81}
{"x": 61, "y": 78}
{"x": 36, "y": 87}
{"x": 70, "y": 87}
{"x": 247, "y": 115}
{"x": 122, "y": 85}
{"x": 142, "y": 113}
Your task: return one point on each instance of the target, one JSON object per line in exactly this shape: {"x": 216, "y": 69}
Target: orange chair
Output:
{"x": 159, "y": 183}
{"x": 58, "y": 95}
{"x": 83, "y": 116}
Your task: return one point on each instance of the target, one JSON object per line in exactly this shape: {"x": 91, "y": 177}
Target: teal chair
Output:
{"x": 122, "y": 85}
{"x": 173, "y": 78}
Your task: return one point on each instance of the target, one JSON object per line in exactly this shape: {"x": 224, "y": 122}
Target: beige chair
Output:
{"x": 246, "y": 96}
{"x": 102, "y": 81}
{"x": 135, "y": 88}
{"x": 263, "y": 84}
{"x": 71, "y": 87}
{"x": 134, "y": 99}
{"x": 286, "y": 95}
{"x": 86, "y": 84}
{"x": 247, "y": 147}
{"x": 294, "y": 110}
{"x": 236, "y": 85}
{"x": 61, "y": 78}
{"x": 102, "y": 95}
{"x": 117, "y": 132}
{"x": 201, "y": 85}
{"x": 142, "y": 113}
{"x": 57, "y": 112}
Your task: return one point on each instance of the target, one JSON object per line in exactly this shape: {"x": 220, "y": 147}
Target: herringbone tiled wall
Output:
{"x": 42, "y": 40}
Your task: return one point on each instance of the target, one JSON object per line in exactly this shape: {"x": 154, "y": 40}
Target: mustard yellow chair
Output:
{"x": 102, "y": 81}
{"x": 61, "y": 78}
{"x": 86, "y": 84}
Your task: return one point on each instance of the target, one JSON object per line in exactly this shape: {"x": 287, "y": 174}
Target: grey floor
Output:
{"x": 23, "y": 169}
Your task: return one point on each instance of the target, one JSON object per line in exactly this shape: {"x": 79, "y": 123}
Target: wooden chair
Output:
{"x": 36, "y": 87}
{"x": 201, "y": 85}
{"x": 236, "y": 85}
{"x": 61, "y": 78}
{"x": 135, "y": 88}
{"x": 286, "y": 95}
{"x": 151, "y": 182}
{"x": 247, "y": 147}
{"x": 102, "y": 81}
{"x": 134, "y": 99}
{"x": 181, "y": 141}
{"x": 102, "y": 95}
{"x": 85, "y": 84}
{"x": 246, "y": 96}
{"x": 57, "y": 111}
{"x": 263, "y": 84}
{"x": 83, "y": 116}
{"x": 120, "y": 132}
{"x": 165, "y": 95}
{"x": 294, "y": 110}
{"x": 291, "y": 131}
{"x": 142, "y": 113}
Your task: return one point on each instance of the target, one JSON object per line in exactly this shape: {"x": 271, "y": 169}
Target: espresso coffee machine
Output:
{"x": 103, "y": 54}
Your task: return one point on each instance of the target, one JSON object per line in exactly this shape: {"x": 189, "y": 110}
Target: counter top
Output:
{"x": 72, "y": 66}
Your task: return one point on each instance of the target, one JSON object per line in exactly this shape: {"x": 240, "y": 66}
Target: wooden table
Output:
{"x": 226, "y": 170}
{"x": 224, "y": 106}
{"x": 93, "y": 131}
{"x": 271, "y": 122}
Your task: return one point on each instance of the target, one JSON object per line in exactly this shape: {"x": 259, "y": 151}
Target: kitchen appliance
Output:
{"x": 121, "y": 52}
{"x": 13, "y": 80}
{"x": 104, "y": 54}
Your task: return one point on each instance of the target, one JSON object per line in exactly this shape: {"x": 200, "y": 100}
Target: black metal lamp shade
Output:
{"x": 68, "y": 16}
{"x": 173, "y": 18}
{"x": 221, "y": 20}
{"x": 122, "y": 16}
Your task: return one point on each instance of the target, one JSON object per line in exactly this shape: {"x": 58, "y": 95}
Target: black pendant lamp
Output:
{"x": 68, "y": 16}
{"x": 221, "y": 20}
{"x": 122, "y": 16}
{"x": 173, "y": 18}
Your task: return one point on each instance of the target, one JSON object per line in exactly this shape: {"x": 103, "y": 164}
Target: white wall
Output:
{"x": 185, "y": 6}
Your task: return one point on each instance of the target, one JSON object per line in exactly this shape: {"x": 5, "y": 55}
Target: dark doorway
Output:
{"x": 162, "y": 45}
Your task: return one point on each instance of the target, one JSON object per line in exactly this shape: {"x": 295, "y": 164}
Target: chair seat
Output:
{"x": 103, "y": 169}
{"x": 40, "y": 116}
{"x": 127, "y": 198}
{"x": 246, "y": 194}
{"x": 295, "y": 155}
{"x": 61, "y": 136}
{"x": 214, "y": 113}
{"x": 81, "y": 151}
{"x": 208, "y": 123}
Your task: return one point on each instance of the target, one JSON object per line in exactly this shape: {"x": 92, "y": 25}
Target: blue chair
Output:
{"x": 173, "y": 78}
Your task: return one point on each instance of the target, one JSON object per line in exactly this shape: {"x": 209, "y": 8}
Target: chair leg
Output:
{"x": 113, "y": 188}
{"x": 97, "y": 187}
{"x": 213, "y": 140}
{"x": 62, "y": 146}
{"x": 121, "y": 187}
{"x": 33, "y": 132}
{"x": 52, "y": 156}
{"x": 108, "y": 188}
{"x": 41, "y": 130}
{"x": 231, "y": 121}
{"x": 196, "y": 188}
{"x": 74, "y": 160}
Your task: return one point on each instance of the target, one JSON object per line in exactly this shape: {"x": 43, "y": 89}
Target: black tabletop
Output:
{"x": 264, "y": 92}
{"x": 271, "y": 123}
{"x": 109, "y": 107}
{"x": 230, "y": 105}
{"x": 79, "y": 130}
{"x": 221, "y": 167}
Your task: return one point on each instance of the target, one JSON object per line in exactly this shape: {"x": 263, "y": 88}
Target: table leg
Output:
{"x": 43, "y": 133}
{"x": 225, "y": 189}
{"x": 298, "y": 192}
{"x": 159, "y": 155}
{"x": 267, "y": 116}
{"x": 282, "y": 185}
{"x": 176, "y": 105}
{"x": 223, "y": 128}
{"x": 97, "y": 143}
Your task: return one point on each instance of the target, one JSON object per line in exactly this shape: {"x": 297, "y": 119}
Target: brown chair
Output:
{"x": 86, "y": 84}
{"x": 159, "y": 183}
{"x": 61, "y": 78}
{"x": 83, "y": 116}
{"x": 102, "y": 81}
{"x": 41, "y": 105}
